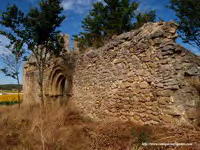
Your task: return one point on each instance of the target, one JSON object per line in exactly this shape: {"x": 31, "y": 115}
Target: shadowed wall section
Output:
{"x": 59, "y": 84}
{"x": 142, "y": 76}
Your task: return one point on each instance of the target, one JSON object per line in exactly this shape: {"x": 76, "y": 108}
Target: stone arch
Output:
{"x": 59, "y": 83}
{"x": 62, "y": 86}
{"x": 59, "y": 88}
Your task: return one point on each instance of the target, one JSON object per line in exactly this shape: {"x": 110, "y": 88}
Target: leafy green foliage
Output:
{"x": 108, "y": 18}
{"x": 13, "y": 18}
{"x": 36, "y": 30}
{"x": 188, "y": 15}
{"x": 41, "y": 23}
{"x": 38, "y": 27}
{"x": 93, "y": 25}
{"x": 119, "y": 14}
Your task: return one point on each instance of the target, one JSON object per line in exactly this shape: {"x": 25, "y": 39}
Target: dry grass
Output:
{"x": 64, "y": 128}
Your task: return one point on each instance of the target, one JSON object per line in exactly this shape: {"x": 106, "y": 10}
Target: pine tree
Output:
{"x": 188, "y": 14}
{"x": 93, "y": 26}
{"x": 143, "y": 18}
{"x": 119, "y": 15}
{"x": 108, "y": 18}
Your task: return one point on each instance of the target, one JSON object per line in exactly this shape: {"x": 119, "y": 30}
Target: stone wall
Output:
{"x": 142, "y": 76}
{"x": 30, "y": 84}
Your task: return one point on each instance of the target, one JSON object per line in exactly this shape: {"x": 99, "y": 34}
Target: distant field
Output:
{"x": 10, "y": 88}
{"x": 8, "y": 91}
{"x": 10, "y": 99}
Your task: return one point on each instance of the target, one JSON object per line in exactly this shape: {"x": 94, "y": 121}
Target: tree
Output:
{"x": 37, "y": 30}
{"x": 93, "y": 26}
{"x": 143, "y": 18}
{"x": 119, "y": 15}
{"x": 188, "y": 14}
{"x": 108, "y": 18}
{"x": 12, "y": 62}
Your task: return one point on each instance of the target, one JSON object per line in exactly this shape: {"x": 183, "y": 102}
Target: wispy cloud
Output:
{"x": 146, "y": 5}
{"x": 78, "y": 6}
{"x": 3, "y": 43}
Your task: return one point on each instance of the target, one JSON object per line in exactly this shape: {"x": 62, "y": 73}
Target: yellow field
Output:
{"x": 10, "y": 98}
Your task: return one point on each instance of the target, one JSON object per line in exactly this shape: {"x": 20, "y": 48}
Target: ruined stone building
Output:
{"x": 142, "y": 76}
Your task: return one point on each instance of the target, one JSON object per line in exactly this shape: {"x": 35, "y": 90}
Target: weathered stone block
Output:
{"x": 167, "y": 118}
{"x": 163, "y": 100}
{"x": 144, "y": 85}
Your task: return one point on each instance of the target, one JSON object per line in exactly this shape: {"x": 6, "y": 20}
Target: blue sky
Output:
{"x": 76, "y": 10}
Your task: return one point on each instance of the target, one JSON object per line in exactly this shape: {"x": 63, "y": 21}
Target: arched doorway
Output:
{"x": 59, "y": 86}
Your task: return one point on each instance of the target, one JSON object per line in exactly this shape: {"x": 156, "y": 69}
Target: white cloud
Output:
{"x": 67, "y": 5}
{"x": 3, "y": 42}
{"x": 78, "y": 6}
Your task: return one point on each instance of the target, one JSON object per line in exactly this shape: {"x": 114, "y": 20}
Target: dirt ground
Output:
{"x": 64, "y": 128}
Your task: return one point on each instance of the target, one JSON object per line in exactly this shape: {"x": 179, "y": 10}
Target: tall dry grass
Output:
{"x": 65, "y": 128}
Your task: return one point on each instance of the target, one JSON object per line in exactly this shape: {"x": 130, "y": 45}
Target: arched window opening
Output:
{"x": 62, "y": 87}
{"x": 59, "y": 85}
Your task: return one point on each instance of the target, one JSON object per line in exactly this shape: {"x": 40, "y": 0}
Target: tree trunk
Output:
{"x": 18, "y": 90}
{"x": 41, "y": 59}
{"x": 41, "y": 80}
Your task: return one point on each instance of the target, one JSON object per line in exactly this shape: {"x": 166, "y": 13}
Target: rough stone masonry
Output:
{"x": 141, "y": 76}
